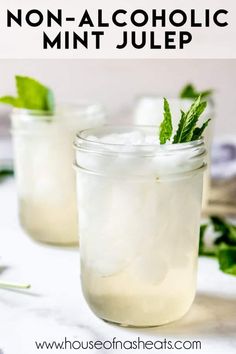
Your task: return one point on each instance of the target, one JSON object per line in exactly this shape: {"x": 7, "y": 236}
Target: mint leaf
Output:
{"x": 203, "y": 229}
{"x": 166, "y": 127}
{"x": 12, "y": 101}
{"x": 198, "y": 131}
{"x": 226, "y": 230}
{"x": 219, "y": 224}
{"x": 227, "y": 258}
{"x": 224, "y": 246}
{"x": 180, "y": 127}
{"x": 34, "y": 95}
{"x": 205, "y": 250}
{"x": 31, "y": 95}
{"x": 187, "y": 129}
{"x": 5, "y": 173}
{"x": 189, "y": 91}
{"x": 232, "y": 233}
{"x": 188, "y": 121}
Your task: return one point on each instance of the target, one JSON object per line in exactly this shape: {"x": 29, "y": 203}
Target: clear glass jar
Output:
{"x": 43, "y": 158}
{"x": 139, "y": 215}
{"x": 148, "y": 110}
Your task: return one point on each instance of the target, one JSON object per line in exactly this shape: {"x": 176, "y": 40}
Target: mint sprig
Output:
{"x": 189, "y": 91}
{"x": 187, "y": 128}
{"x": 166, "y": 127}
{"x": 224, "y": 244}
{"x": 32, "y": 95}
{"x": 188, "y": 121}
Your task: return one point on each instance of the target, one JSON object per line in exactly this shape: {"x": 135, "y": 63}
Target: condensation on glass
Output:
{"x": 43, "y": 156}
{"x": 139, "y": 215}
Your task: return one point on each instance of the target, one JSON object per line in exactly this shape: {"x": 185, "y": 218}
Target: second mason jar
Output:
{"x": 45, "y": 178}
{"x": 139, "y": 209}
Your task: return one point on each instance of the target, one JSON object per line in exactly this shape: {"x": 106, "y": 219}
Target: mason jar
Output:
{"x": 148, "y": 110}
{"x": 43, "y": 158}
{"x": 139, "y": 207}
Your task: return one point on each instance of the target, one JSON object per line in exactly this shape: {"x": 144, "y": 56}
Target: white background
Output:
{"x": 117, "y": 83}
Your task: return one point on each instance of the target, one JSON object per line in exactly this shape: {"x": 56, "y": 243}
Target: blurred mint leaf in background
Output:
{"x": 205, "y": 250}
{"x": 12, "y": 101}
{"x": 203, "y": 228}
{"x": 189, "y": 91}
{"x": 227, "y": 231}
{"x": 224, "y": 244}
{"x": 32, "y": 95}
{"x": 227, "y": 258}
{"x": 4, "y": 173}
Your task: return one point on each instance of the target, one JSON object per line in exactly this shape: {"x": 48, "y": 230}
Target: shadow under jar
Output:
{"x": 43, "y": 158}
{"x": 139, "y": 207}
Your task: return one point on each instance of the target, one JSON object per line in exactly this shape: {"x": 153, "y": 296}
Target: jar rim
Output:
{"x": 82, "y": 139}
{"x": 82, "y": 106}
{"x": 172, "y": 99}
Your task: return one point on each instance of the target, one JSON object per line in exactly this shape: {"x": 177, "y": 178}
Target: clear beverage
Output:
{"x": 43, "y": 163}
{"x": 139, "y": 213}
{"x": 148, "y": 110}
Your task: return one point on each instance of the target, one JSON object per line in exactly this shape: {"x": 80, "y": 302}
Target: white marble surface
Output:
{"x": 55, "y": 308}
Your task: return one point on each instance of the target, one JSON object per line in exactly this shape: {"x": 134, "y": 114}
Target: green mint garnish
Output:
{"x": 203, "y": 249}
{"x": 198, "y": 131}
{"x": 227, "y": 231}
{"x": 227, "y": 258}
{"x": 32, "y": 95}
{"x": 188, "y": 121}
{"x": 190, "y": 92}
{"x": 4, "y": 173}
{"x": 224, "y": 245}
{"x": 166, "y": 128}
{"x": 187, "y": 129}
